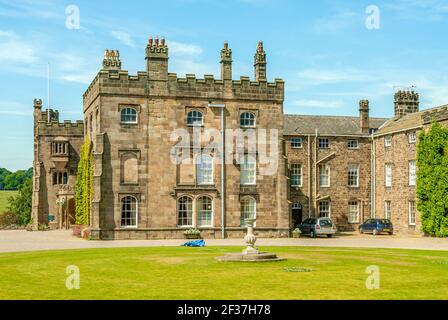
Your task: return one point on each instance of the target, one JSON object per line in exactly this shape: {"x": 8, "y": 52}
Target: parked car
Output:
{"x": 377, "y": 226}
{"x": 318, "y": 226}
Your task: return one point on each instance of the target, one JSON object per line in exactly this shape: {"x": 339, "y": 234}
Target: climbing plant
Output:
{"x": 84, "y": 184}
{"x": 432, "y": 180}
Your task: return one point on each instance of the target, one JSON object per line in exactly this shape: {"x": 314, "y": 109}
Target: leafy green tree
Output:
{"x": 84, "y": 184}
{"x": 21, "y": 204}
{"x": 14, "y": 180}
{"x": 432, "y": 180}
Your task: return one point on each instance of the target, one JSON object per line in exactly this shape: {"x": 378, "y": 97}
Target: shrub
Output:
{"x": 432, "y": 180}
{"x": 84, "y": 184}
{"x": 8, "y": 219}
{"x": 21, "y": 204}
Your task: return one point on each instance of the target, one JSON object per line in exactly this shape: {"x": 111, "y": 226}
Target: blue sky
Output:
{"x": 322, "y": 49}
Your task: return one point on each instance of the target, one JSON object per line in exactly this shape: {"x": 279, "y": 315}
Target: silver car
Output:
{"x": 318, "y": 226}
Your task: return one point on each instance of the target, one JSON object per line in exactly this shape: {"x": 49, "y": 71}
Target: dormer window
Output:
{"x": 128, "y": 116}
{"x": 247, "y": 120}
{"x": 195, "y": 118}
{"x": 60, "y": 148}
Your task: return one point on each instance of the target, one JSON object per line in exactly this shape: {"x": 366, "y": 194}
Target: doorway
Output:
{"x": 297, "y": 214}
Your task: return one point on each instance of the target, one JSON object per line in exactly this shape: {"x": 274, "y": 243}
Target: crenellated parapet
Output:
{"x": 66, "y": 128}
{"x": 157, "y": 81}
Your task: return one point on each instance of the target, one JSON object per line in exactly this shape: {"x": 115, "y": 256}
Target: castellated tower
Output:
{"x": 406, "y": 102}
{"x": 139, "y": 191}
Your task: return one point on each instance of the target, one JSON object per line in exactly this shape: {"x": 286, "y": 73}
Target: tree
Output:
{"x": 84, "y": 184}
{"x": 14, "y": 180}
{"x": 21, "y": 204}
{"x": 432, "y": 180}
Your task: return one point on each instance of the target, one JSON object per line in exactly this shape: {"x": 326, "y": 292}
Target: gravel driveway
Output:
{"x": 17, "y": 241}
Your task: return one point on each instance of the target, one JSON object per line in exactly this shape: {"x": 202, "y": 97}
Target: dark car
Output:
{"x": 318, "y": 226}
{"x": 377, "y": 226}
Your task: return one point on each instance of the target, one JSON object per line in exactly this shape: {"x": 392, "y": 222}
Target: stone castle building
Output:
{"x": 325, "y": 165}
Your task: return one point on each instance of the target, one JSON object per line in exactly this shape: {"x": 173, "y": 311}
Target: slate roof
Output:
{"x": 409, "y": 121}
{"x": 326, "y": 125}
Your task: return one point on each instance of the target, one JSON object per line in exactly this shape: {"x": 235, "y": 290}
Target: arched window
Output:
{"x": 128, "y": 116}
{"x": 195, "y": 118}
{"x": 248, "y": 210}
{"x": 129, "y": 168}
{"x": 204, "y": 169}
{"x": 185, "y": 212}
{"x": 204, "y": 211}
{"x": 247, "y": 119}
{"x": 129, "y": 207}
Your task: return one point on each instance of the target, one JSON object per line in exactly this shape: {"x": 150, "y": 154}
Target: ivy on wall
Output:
{"x": 432, "y": 180}
{"x": 84, "y": 184}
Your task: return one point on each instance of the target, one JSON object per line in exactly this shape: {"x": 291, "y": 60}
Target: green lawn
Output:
{"x": 4, "y": 195}
{"x": 192, "y": 273}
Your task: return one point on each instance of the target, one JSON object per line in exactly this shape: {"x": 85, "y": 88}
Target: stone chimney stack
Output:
{"x": 406, "y": 102}
{"x": 157, "y": 59}
{"x": 112, "y": 60}
{"x": 226, "y": 62}
{"x": 260, "y": 63}
{"x": 364, "y": 116}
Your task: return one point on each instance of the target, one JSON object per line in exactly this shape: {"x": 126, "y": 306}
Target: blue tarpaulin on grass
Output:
{"x": 194, "y": 243}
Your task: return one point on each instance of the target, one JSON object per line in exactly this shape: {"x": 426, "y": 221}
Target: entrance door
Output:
{"x": 297, "y": 215}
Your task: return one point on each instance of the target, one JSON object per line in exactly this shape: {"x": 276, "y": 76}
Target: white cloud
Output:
{"x": 184, "y": 49}
{"x": 317, "y": 104}
{"x": 339, "y": 22}
{"x": 124, "y": 37}
{"x": 15, "y": 50}
{"x": 15, "y": 109}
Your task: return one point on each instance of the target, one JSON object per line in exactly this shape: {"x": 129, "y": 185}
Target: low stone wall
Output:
{"x": 161, "y": 234}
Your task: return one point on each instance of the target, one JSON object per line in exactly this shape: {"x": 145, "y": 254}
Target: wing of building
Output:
{"x": 139, "y": 125}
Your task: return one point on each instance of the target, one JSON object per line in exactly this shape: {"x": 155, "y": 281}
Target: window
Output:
{"x": 412, "y": 137}
{"x": 296, "y": 143}
{"x": 59, "y": 148}
{"x": 324, "y": 143}
{"x": 388, "y": 175}
{"x": 248, "y": 210}
{"x": 412, "y": 218}
{"x": 248, "y": 170}
{"x": 353, "y": 212}
{"x": 412, "y": 173}
{"x": 185, "y": 212}
{"x": 353, "y": 144}
{"x": 128, "y": 212}
{"x": 60, "y": 178}
{"x": 324, "y": 175}
{"x": 353, "y": 175}
{"x": 388, "y": 141}
{"x": 387, "y": 209}
{"x": 204, "y": 169}
{"x": 324, "y": 209}
{"x": 296, "y": 175}
{"x": 129, "y": 116}
{"x": 296, "y": 206}
{"x": 205, "y": 212}
{"x": 247, "y": 119}
{"x": 195, "y": 118}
